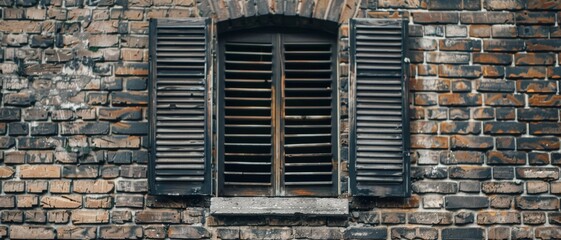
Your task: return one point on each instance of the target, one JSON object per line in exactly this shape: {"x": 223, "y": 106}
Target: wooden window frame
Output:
{"x": 278, "y": 188}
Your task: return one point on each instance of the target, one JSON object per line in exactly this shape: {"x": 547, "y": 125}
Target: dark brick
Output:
{"x": 487, "y": 17}
{"x": 39, "y": 142}
{"x": 129, "y": 98}
{"x": 21, "y": 99}
{"x": 503, "y": 45}
{"x": 494, "y": 85}
{"x": 470, "y": 186}
{"x": 425, "y": 99}
{"x": 494, "y": 217}
{"x": 460, "y": 99}
{"x": 422, "y": 44}
{"x": 463, "y": 218}
{"x": 459, "y": 71}
{"x": 505, "y": 113}
{"x": 136, "y": 84}
{"x": 545, "y": 128}
{"x": 504, "y": 4}
{"x": 503, "y": 173}
{"x": 41, "y": 41}
{"x": 127, "y": 113}
{"x": 534, "y": 59}
{"x": 435, "y": 17}
{"x": 505, "y": 143}
{"x": 18, "y": 129}
{"x": 44, "y": 129}
{"x": 429, "y": 173}
{"x": 120, "y": 157}
{"x": 545, "y": 173}
{"x": 158, "y": 216}
{"x": 483, "y": 113}
{"x": 503, "y": 188}
{"x": 86, "y": 128}
{"x": 463, "y": 233}
{"x": 527, "y": 17}
{"x": 471, "y": 142}
{"x": 531, "y": 86}
{"x": 366, "y": 233}
{"x": 435, "y": 187}
{"x": 460, "y": 127}
{"x": 538, "y": 114}
{"x": 544, "y": 100}
{"x": 504, "y": 128}
{"x": 413, "y": 233}
{"x": 525, "y": 72}
{"x": 506, "y": 158}
{"x": 537, "y": 203}
{"x": 470, "y": 172}
{"x": 543, "y": 45}
{"x": 461, "y": 157}
{"x": 537, "y": 143}
{"x": 533, "y": 31}
{"x": 458, "y": 45}
{"x": 82, "y": 171}
{"x": 430, "y": 218}
{"x": 492, "y": 58}
{"x": 538, "y": 158}
{"x": 130, "y": 128}
{"x": 133, "y": 171}
{"x": 493, "y": 71}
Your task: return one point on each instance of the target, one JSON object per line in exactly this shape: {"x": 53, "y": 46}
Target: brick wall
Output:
{"x": 485, "y": 122}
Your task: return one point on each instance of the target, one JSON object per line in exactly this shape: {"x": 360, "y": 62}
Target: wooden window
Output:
{"x": 277, "y": 114}
{"x": 277, "y": 110}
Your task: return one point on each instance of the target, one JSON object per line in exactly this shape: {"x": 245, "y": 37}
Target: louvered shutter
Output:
{"x": 309, "y": 115}
{"x": 246, "y": 122}
{"x": 178, "y": 107}
{"x": 380, "y": 122}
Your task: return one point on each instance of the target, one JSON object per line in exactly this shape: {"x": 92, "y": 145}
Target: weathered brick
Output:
{"x": 543, "y": 45}
{"x": 430, "y": 218}
{"x": 531, "y": 86}
{"x": 39, "y": 171}
{"x": 93, "y": 186}
{"x": 132, "y": 186}
{"x": 435, "y": 17}
{"x": 89, "y": 216}
{"x": 502, "y": 188}
{"x": 506, "y": 158}
{"x": 434, "y": 187}
{"x": 120, "y": 232}
{"x": 533, "y": 218}
{"x": 461, "y": 157}
{"x": 503, "y": 45}
{"x": 448, "y": 58}
{"x": 537, "y": 143}
{"x": 459, "y": 71}
{"x": 83, "y": 171}
{"x": 544, "y": 100}
{"x": 158, "y": 216}
{"x": 86, "y": 128}
{"x": 130, "y": 128}
{"x": 44, "y": 129}
{"x": 196, "y": 232}
{"x": 504, "y": 4}
{"x": 429, "y": 142}
{"x": 460, "y": 99}
{"x": 501, "y": 217}
{"x": 486, "y": 17}
{"x": 463, "y": 233}
{"x": 456, "y": 127}
{"x": 31, "y": 232}
{"x": 480, "y": 31}
{"x": 63, "y": 201}
{"x": 527, "y": 17}
{"x": 27, "y": 201}
{"x": 470, "y": 172}
{"x": 537, "y": 173}
{"x": 500, "y": 128}
{"x": 492, "y": 58}
{"x": 537, "y": 114}
{"x": 537, "y": 203}
{"x": 11, "y": 216}
{"x": 525, "y": 72}
{"x": 455, "y": 45}
{"x": 74, "y": 232}
{"x": 471, "y": 142}
{"x": 115, "y": 142}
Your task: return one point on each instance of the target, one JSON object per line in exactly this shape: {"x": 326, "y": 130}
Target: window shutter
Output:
{"x": 380, "y": 121}
{"x": 178, "y": 107}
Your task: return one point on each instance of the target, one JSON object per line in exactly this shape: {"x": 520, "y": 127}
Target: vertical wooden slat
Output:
{"x": 379, "y": 109}
{"x": 180, "y": 157}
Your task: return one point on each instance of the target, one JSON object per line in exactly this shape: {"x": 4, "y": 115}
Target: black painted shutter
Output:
{"x": 178, "y": 107}
{"x": 380, "y": 122}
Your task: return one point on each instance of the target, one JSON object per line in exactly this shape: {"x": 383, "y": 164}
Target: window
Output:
{"x": 276, "y": 114}
{"x": 278, "y": 119}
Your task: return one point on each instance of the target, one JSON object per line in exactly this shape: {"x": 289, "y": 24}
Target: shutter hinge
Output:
{"x": 406, "y": 154}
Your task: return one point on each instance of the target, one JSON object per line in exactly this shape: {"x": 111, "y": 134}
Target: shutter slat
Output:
{"x": 379, "y": 135}
{"x": 179, "y": 134}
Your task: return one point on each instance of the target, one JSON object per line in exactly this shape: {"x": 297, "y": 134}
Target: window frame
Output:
{"x": 278, "y": 189}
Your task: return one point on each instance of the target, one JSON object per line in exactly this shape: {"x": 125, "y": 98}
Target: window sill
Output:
{"x": 239, "y": 206}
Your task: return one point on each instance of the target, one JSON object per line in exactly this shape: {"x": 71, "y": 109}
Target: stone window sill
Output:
{"x": 278, "y": 206}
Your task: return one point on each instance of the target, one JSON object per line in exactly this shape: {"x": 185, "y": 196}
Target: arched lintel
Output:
{"x": 272, "y": 20}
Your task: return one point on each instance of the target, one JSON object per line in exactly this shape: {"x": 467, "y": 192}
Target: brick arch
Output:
{"x": 327, "y": 11}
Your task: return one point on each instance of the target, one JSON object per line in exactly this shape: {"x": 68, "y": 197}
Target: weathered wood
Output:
{"x": 279, "y": 206}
